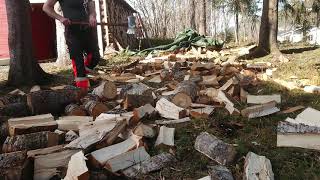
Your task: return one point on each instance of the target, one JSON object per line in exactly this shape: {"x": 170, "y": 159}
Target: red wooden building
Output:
{"x": 44, "y": 29}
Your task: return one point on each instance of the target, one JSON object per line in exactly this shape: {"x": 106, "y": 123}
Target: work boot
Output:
{"x": 83, "y": 84}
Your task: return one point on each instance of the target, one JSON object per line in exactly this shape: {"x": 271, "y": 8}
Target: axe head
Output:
{"x": 131, "y": 25}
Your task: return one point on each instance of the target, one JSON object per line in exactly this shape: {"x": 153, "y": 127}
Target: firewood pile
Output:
{"x": 60, "y": 133}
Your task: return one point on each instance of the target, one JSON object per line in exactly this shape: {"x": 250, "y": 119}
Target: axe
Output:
{"x": 131, "y": 24}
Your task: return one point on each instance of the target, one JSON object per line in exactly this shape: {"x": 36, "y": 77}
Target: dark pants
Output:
{"x": 82, "y": 42}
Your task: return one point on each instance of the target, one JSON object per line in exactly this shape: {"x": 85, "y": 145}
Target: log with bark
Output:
{"x": 220, "y": 172}
{"x": 169, "y": 110}
{"x": 31, "y": 124}
{"x": 146, "y": 111}
{"x": 30, "y": 141}
{"x": 185, "y": 93}
{"x": 135, "y": 101}
{"x": 54, "y": 102}
{"x": 75, "y": 110}
{"x": 15, "y": 110}
{"x": 107, "y": 90}
{"x": 11, "y": 165}
{"x": 10, "y": 99}
{"x": 143, "y": 130}
{"x": 155, "y": 163}
{"x": 215, "y": 149}
{"x": 3, "y": 129}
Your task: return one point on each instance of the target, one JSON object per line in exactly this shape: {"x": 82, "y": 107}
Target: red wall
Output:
{"x": 4, "y": 50}
{"x": 43, "y": 34}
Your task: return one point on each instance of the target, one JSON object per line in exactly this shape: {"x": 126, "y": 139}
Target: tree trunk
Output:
{"x": 193, "y": 14}
{"x": 24, "y": 70}
{"x": 237, "y": 27}
{"x": 62, "y": 48}
{"x": 268, "y": 29}
{"x": 203, "y": 17}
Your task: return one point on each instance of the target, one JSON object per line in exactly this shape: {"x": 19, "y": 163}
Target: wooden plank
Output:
{"x": 77, "y": 168}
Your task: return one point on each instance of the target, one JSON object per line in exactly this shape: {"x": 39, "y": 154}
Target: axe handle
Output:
{"x": 99, "y": 23}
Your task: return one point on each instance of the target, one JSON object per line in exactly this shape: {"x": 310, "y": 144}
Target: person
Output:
{"x": 79, "y": 19}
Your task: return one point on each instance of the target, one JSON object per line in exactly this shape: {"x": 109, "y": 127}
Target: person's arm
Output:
{"x": 48, "y": 8}
{"x": 92, "y": 14}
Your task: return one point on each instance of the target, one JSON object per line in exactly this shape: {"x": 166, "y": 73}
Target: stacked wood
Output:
{"x": 11, "y": 165}
{"x": 75, "y": 110}
{"x": 31, "y": 124}
{"x": 107, "y": 90}
{"x": 49, "y": 101}
{"x": 169, "y": 110}
{"x": 95, "y": 108}
{"x": 215, "y": 149}
{"x": 257, "y": 167}
{"x": 30, "y": 141}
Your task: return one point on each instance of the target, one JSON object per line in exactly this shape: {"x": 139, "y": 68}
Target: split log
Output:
{"x": 31, "y": 124}
{"x": 169, "y": 110}
{"x": 260, "y": 110}
{"x": 135, "y": 101}
{"x": 257, "y": 167}
{"x": 243, "y": 95}
{"x": 215, "y": 149}
{"x": 95, "y": 108}
{"x": 10, "y": 99}
{"x": 155, "y": 163}
{"x": 110, "y": 138}
{"x": 146, "y": 111}
{"x": 89, "y": 97}
{"x": 73, "y": 123}
{"x": 210, "y": 81}
{"x": 107, "y": 122}
{"x": 107, "y": 90}
{"x": 165, "y": 137}
{"x": 156, "y": 79}
{"x": 136, "y": 89}
{"x": 3, "y": 129}
{"x": 70, "y": 136}
{"x": 11, "y": 165}
{"x": 143, "y": 130}
{"x": 77, "y": 168}
{"x": 30, "y": 141}
{"x": 292, "y": 110}
{"x": 54, "y": 102}
{"x": 251, "y": 99}
{"x": 179, "y": 76}
{"x": 100, "y": 157}
{"x": 17, "y": 92}
{"x": 52, "y": 165}
{"x": 167, "y": 122}
{"x": 75, "y": 110}
{"x": 15, "y": 110}
{"x": 202, "y": 112}
{"x": 44, "y": 151}
{"x": 185, "y": 94}
{"x": 126, "y": 160}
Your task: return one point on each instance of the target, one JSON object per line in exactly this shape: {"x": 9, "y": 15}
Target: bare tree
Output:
{"x": 203, "y": 17}
{"x": 24, "y": 70}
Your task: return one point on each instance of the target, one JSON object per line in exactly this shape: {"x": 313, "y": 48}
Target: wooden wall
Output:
{"x": 118, "y": 12}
